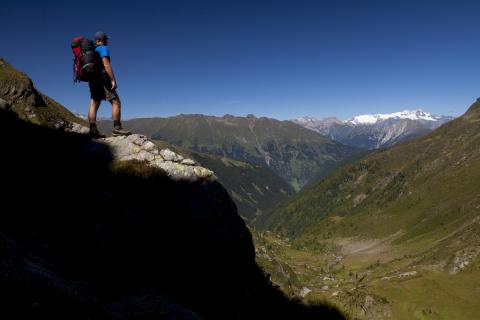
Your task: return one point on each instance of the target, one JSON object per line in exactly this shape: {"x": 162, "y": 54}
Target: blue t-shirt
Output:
{"x": 102, "y": 51}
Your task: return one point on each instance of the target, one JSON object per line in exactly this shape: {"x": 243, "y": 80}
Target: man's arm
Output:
{"x": 108, "y": 69}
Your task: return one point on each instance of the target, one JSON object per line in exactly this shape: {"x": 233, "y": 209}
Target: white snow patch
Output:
{"x": 405, "y": 114}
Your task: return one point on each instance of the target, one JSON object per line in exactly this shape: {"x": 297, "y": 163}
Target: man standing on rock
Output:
{"x": 103, "y": 87}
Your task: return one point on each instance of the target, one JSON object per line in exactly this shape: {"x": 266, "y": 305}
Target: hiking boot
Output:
{"x": 119, "y": 131}
{"x": 95, "y": 134}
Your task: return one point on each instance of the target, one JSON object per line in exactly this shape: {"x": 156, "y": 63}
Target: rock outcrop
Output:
{"x": 19, "y": 94}
{"x": 139, "y": 147}
{"x": 4, "y": 105}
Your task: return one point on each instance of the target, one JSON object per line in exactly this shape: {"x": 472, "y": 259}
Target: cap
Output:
{"x": 101, "y": 35}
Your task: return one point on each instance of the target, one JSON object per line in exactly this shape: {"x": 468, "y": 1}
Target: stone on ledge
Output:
{"x": 138, "y": 147}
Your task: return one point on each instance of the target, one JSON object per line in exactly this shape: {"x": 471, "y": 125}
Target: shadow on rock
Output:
{"x": 91, "y": 238}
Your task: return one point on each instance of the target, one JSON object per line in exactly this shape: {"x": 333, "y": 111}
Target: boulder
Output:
{"x": 168, "y": 155}
{"x": 78, "y": 128}
{"x": 188, "y": 162}
{"x": 4, "y": 105}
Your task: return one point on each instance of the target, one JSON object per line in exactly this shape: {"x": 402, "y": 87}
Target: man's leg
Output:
{"x": 116, "y": 116}
{"x": 116, "y": 109}
{"x": 92, "y": 118}
{"x": 92, "y": 112}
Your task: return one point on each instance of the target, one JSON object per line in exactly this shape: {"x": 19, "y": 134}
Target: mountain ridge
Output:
{"x": 373, "y": 131}
{"x": 372, "y": 118}
{"x": 291, "y": 151}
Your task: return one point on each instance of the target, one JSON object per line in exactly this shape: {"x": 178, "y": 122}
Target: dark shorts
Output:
{"x": 101, "y": 88}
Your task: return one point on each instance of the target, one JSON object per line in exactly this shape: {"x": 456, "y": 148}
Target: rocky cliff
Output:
{"x": 117, "y": 228}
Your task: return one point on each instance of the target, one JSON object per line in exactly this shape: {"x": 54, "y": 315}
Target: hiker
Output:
{"x": 103, "y": 87}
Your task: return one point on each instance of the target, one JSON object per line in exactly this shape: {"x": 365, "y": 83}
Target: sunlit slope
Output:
{"x": 422, "y": 192}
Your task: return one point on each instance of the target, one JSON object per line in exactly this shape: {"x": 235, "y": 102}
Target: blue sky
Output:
{"x": 280, "y": 59}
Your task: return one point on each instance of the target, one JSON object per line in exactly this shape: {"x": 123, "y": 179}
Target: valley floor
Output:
{"x": 373, "y": 279}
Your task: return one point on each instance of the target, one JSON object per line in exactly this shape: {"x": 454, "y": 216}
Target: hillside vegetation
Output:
{"x": 30, "y": 104}
{"x": 253, "y": 187}
{"x": 411, "y": 210}
{"x": 426, "y": 185}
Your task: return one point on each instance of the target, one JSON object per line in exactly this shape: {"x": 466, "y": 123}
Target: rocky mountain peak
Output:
{"x": 18, "y": 91}
{"x": 372, "y": 131}
{"x": 313, "y": 123}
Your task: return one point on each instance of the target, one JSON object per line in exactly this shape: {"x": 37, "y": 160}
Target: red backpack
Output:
{"x": 83, "y": 59}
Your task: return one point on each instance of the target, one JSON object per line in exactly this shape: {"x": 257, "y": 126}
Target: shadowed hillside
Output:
{"x": 86, "y": 237}
{"x": 253, "y": 187}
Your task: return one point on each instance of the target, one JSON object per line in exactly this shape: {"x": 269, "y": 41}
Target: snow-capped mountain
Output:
{"x": 416, "y": 115}
{"x": 373, "y": 131}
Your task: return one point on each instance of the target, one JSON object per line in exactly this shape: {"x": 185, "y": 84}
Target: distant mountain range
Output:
{"x": 295, "y": 154}
{"x": 373, "y": 131}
